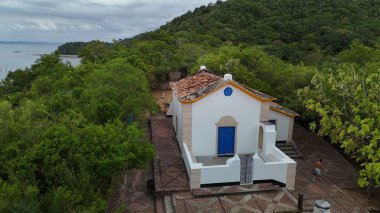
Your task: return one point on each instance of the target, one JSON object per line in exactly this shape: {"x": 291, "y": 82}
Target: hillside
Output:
{"x": 294, "y": 31}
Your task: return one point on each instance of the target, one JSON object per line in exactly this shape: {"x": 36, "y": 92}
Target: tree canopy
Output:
{"x": 307, "y": 31}
{"x": 64, "y": 133}
{"x": 347, "y": 99}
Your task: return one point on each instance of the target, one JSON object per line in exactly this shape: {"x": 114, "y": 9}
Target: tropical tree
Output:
{"x": 348, "y": 103}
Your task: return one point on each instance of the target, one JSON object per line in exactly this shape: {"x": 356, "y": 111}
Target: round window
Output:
{"x": 228, "y": 91}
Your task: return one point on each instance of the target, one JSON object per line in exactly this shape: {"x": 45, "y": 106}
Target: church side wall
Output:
{"x": 282, "y": 125}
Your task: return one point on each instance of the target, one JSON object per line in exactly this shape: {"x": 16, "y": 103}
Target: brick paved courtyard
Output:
{"x": 174, "y": 194}
{"x": 169, "y": 170}
{"x": 341, "y": 174}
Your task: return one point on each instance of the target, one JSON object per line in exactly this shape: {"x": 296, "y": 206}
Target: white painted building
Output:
{"x": 227, "y": 132}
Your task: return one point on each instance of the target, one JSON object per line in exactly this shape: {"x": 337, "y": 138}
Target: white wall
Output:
{"x": 188, "y": 159}
{"x": 282, "y": 123}
{"x": 279, "y": 155}
{"x": 222, "y": 173}
{"x": 177, "y": 111}
{"x": 269, "y": 138}
{"x": 211, "y": 174}
{"x": 209, "y": 110}
{"x": 170, "y": 110}
{"x": 269, "y": 170}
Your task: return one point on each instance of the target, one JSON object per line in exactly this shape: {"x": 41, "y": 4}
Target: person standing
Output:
{"x": 318, "y": 167}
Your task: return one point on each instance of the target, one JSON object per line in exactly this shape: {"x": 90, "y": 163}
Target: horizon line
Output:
{"x": 35, "y": 42}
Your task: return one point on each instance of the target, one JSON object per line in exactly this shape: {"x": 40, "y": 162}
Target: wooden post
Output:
{"x": 300, "y": 202}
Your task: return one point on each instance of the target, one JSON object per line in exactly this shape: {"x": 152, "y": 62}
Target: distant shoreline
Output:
{"x": 60, "y": 55}
{"x": 69, "y": 56}
{"x": 16, "y": 55}
{"x": 30, "y": 42}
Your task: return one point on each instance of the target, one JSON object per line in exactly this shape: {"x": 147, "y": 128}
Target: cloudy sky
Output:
{"x": 84, "y": 20}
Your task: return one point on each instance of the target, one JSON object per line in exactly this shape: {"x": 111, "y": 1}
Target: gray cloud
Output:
{"x": 84, "y": 20}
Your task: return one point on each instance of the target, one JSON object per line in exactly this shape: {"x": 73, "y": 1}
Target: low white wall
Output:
{"x": 212, "y": 174}
{"x": 279, "y": 155}
{"x": 222, "y": 173}
{"x": 188, "y": 159}
{"x": 269, "y": 170}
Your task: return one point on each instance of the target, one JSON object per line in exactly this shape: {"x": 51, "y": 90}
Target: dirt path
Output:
{"x": 163, "y": 97}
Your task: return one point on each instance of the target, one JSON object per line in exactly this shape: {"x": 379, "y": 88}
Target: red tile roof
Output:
{"x": 278, "y": 108}
{"x": 193, "y": 84}
{"x": 203, "y": 83}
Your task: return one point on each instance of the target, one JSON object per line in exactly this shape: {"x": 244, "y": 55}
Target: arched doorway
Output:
{"x": 226, "y": 136}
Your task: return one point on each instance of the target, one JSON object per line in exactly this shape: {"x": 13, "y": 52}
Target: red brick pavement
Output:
{"x": 171, "y": 178}
{"x": 340, "y": 173}
{"x": 280, "y": 200}
{"x": 169, "y": 170}
{"x": 132, "y": 191}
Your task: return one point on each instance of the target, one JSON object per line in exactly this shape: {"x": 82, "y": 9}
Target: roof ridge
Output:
{"x": 200, "y": 71}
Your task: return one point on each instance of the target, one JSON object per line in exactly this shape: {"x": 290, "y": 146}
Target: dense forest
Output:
{"x": 66, "y": 131}
{"x": 305, "y": 31}
{"x": 70, "y": 48}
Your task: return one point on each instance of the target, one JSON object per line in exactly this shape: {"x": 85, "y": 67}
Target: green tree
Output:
{"x": 360, "y": 54}
{"x": 348, "y": 103}
{"x": 63, "y": 135}
{"x": 94, "y": 51}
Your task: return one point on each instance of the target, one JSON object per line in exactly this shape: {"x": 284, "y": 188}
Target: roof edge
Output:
{"x": 284, "y": 113}
{"x": 233, "y": 83}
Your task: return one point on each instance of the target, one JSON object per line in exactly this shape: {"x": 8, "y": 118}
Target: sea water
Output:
{"x": 21, "y": 55}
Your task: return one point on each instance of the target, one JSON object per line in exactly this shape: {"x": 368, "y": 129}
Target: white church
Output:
{"x": 227, "y": 132}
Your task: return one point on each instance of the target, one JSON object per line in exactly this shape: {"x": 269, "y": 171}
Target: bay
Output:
{"x": 19, "y": 55}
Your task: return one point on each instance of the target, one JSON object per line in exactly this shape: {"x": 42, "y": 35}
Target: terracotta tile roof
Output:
{"x": 193, "y": 84}
{"x": 202, "y": 83}
{"x": 278, "y": 108}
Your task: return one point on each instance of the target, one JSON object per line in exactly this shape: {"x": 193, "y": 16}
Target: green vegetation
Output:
{"x": 307, "y": 31}
{"x": 66, "y": 131}
{"x": 347, "y": 99}
{"x": 70, "y": 48}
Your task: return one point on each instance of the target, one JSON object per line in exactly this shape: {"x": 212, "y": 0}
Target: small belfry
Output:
{"x": 227, "y": 132}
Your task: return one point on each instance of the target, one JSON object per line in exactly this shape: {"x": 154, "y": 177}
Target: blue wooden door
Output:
{"x": 226, "y": 140}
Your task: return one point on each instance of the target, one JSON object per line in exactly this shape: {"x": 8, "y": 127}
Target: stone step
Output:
{"x": 289, "y": 152}
{"x": 288, "y": 149}
{"x": 283, "y": 145}
{"x": 285, "y": 148}
{"x": 294, "y": 156}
